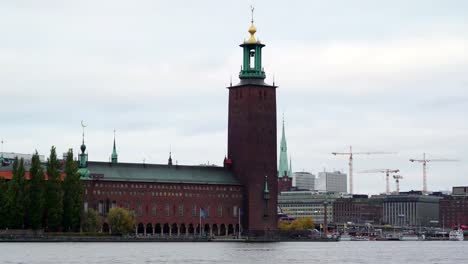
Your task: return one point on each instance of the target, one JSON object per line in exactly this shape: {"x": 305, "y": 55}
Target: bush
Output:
{"x": 91, "y": 221}
{"x": 121, "y": 221}
{"x": 298, "y": 224}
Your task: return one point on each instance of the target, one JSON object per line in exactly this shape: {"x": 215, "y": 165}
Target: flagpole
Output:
{"x": 239, "y": 223}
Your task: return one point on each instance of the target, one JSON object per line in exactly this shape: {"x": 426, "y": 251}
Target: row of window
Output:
{"x": 165, "y": 194}
{"x": 105, "y": 206}
{"x": 163, "y": 186}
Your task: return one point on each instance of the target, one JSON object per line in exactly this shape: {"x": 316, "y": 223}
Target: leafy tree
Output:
{"x": 16, "y": 196}
{"x": 91, "y": 221}
{"x": 3, "y": 201}
{"x": 53, "y": 198}
{"x": 36, "y": 193}
{"x": 72, "y": 195}
{"x": 298, "y": 224}
{"x": 121, "y": 220}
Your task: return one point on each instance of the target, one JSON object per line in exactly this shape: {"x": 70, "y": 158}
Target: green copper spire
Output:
{"x": 114, "y": 152}
{"x": 252, "y": 63}
{"x": 283, "y": 163}
{"x": 83, "y": 159}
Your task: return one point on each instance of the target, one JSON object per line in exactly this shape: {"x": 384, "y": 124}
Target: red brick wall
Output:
{"x": 252, "y": 149}
{"x": 140, "y": 197}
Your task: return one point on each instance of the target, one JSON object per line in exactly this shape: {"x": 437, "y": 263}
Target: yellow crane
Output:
{"x": 350, "y": 154}
{"x": 387, "y": 176}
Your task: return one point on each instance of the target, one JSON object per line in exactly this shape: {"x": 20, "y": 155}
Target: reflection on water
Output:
{"x": 293, "y": 252}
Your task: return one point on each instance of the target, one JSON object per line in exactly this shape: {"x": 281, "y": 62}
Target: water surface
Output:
{"x": 405, "y": 252}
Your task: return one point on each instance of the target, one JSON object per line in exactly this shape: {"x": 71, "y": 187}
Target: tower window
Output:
{"x": 252, "y": 58}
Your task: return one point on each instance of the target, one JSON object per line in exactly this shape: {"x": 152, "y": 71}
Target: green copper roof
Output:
{"x": 283, "y": 162}
{"x": 114, "y": 152}
{"x": 138, "y": 172}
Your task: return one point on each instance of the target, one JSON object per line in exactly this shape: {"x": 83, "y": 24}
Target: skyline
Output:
{"x": 381, "y": 77}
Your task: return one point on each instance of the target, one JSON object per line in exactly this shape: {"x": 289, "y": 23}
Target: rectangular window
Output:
{"x": 168, "y": 209}
{"x": 194, "y": 210}
{"x": 181, "y": 210}
{"x": 101, "y": 207}
{"x": 235, "y": 211}
{"x": 140, "y": 210}
{"x": 207, "y": 211}
{"x": 153, "y": 210}
{"x": 220, "y": 210}
{"x": 85, "y": 207}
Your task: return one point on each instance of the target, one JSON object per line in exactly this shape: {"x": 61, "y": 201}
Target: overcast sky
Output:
{"x": 378, "y": 75}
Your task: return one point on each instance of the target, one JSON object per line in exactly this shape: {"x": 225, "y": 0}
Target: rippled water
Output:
{"x": 293, "y": 252}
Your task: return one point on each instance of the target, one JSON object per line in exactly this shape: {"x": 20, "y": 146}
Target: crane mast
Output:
{"x": 424, "y": 162}
{"x": 350, "y": 163}
{"x": 397, "y": 181}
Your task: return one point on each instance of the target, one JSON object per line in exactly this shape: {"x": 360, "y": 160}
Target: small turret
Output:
{"x": 169, "y": 161}
{"x": 114, "y": 156}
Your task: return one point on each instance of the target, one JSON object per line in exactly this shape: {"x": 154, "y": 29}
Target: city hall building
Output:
{"x": 167, "y": 199}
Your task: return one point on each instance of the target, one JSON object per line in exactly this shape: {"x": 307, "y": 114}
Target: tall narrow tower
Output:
{"x": 252, "y": 139}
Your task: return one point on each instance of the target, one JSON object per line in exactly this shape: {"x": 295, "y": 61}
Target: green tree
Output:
{"x": 91, "y": 221}
{"x": 53, "y": 197}
{"x": 36, "y": 193}
{"x": 72, "y": 195}
{"x": 16, "y": 196}
{"x": 3, "y": 201}
{"x": 121, "y": 221}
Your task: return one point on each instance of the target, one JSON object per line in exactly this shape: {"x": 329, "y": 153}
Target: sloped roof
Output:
{"x": 138, "y": 172}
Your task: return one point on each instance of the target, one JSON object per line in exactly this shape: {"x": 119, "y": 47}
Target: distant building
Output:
{"x": 331, "y": 182}
{"x": 301, "y": 204}
{"x": 453, "y": 210}
{"x": 358, "y": 209}
{"x": 7, "y": 157}
{"x": 410, "y": 209}
{"x": 305, "y": 180}
{"x": 284, "y": 171}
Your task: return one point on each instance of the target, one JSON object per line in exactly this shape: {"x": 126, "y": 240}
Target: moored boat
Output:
{"x": 456, "y": 235}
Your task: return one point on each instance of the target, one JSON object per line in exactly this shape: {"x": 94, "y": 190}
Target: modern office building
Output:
{"x": 304, "y": 180}
{"x": 331, "y": 182}
{"x": 410, "y": 209}
{"x": 301, "y": 204}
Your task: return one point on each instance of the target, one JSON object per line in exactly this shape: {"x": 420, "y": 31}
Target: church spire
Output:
{"x": 114, "y": 157}
{"x": 283, "y": 163}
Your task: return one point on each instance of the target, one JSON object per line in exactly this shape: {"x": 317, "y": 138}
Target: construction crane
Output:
{"x": 424, "y": 162}
{"x": 350, "y": 154}
{"x": 387, "y": 176}
{"x": 397, "y": 181}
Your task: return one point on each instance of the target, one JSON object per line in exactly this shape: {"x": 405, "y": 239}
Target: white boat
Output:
{"x": 456, "y": 235}
{"x": 360, "y": 238}
{"x": 345, "y": 237}
{"x": 411, "y": 237}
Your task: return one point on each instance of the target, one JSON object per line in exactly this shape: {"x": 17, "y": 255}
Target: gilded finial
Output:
{"x": 252, "y": 28}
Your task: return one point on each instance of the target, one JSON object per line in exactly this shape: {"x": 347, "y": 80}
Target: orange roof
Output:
{"x": 8, "y": 175}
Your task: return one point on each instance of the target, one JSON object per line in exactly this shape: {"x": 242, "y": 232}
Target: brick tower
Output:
{"x": 252, "y": 140}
